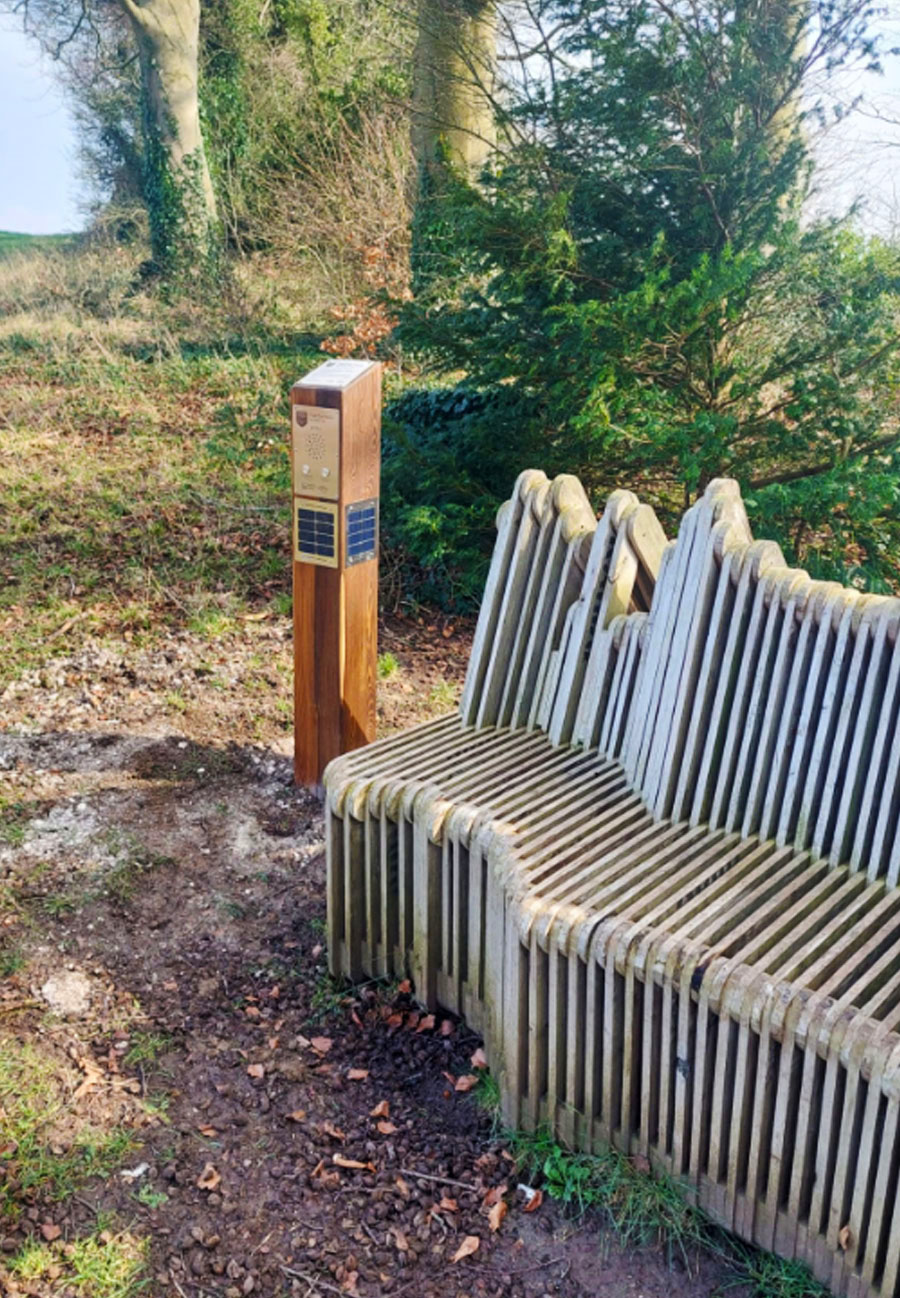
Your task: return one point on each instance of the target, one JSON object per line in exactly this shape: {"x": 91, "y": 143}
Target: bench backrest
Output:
{"x": 556, "y": 576}
{"x": 733, "y": 690}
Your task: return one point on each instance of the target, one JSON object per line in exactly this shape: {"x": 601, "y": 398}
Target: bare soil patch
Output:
{"x": 278, "y": 1134}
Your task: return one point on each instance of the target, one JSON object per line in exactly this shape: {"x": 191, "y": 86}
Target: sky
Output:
{"x": 41, "y": 191}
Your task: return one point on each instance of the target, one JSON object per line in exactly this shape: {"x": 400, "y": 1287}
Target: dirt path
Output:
{"x": 257, "y": 1130}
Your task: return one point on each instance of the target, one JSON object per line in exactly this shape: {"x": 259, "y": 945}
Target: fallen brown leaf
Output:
{"x": 206, "y": 1130}
{"x": 93, "y": 1076}
{"x": 321, "y": 1045}
{"x": 479, "y": 1059}
{"x": 426, "y": 1023}
{"x": 845, "y": 1238}
{"x": 386, "y": 1128}
{"x": 328, "y": 1178}
{"x": 535, "y": 1201}
{"x": 334, "y": 1132}
{"x": 381, "y": 1110}
{"x": 357, "y": 1074}
{"x": 354, "y": 1163}
{"x": 404, "y": 988}
{"x": 394, "y": 1020}
{"x": 209, "y": 1178}
{"x": 400, "y": 1241}
{"x": 496, "y": 1215}
{"x": 494, "y": 1195}
{"x": 256, "y": 1070}
{"x": 448, "y": 1205}
{"x": 470, "y": 1245}
{"x": 50, "y": 1232}
{"x": 467, "y": 1082}
{"x": 402, "y": 1187}
{"x": 297, "y": 1116}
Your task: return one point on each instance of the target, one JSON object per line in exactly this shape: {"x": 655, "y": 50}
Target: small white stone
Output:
{"x": 68, "y": 993}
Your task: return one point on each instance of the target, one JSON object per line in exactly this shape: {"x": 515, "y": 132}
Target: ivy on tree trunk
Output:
{"x": 177, "y": 187}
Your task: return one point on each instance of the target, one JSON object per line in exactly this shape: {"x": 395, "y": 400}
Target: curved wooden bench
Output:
{"x": 655, "y": 861}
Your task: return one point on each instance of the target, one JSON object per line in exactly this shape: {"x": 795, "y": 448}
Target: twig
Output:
{"x": 66, "y": 626}
{"x": 313, "y": 1281}
{"x": 441, "y": 1180}
{"x": 523, "y": 1270}
{"x": 199, "y": 1288}
{"x": 20, "y": 1005}
{"x": 371, "y": 1234}
{"x": 261, "y": 1242}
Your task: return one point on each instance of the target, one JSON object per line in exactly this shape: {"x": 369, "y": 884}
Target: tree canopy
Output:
{"x": 634, "y": 293}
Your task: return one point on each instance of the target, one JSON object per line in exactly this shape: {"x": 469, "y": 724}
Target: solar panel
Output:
{"x": 315, "y": 538}
{"x": 362, "y": 531}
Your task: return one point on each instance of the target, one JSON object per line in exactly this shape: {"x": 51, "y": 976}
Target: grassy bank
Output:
{"x": 12, "y": 242}
{"x": 144, "y": 476}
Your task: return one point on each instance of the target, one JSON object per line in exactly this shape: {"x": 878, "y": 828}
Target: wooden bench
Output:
{"x": 655, "y": 861}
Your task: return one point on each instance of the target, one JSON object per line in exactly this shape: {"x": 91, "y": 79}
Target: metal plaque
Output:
{"x": 317, "y": 457}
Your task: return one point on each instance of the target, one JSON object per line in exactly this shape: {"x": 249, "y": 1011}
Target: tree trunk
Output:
{"x": 177, "y": 185}
{"x": 454, "y": 73}
{"x": 452, "y": 117}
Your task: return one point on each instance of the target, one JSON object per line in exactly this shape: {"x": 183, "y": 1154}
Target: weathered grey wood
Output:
{"x": 508, "y": 520}
{"x": 674, "y": 915}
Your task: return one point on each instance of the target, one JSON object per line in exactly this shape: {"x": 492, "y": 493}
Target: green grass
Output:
{"x": 387, "y": 666}
{"x": 145, "y": 482}
{"x": 99, "y": 1265}
{"x": 12, "y": 958}
{"x": 151, "y": 1198}
{"x": 12, "y": 242}
{"x": 32, "y": 1098}
{"x": 487, "y": 1093}
{"x": 14, "y": 818}
{"x": 146, "y": 1048}
{"x": 642, "y": 1208}
{"x": 638, "y": 1207}
{"x": 443, "y": 695}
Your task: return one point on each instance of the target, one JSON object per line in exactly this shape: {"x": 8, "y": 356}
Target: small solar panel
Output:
{"x": 362, "y": 531}
{"x": 316, "y": 534}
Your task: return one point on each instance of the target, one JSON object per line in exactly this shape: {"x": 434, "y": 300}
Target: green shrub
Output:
{"x": 637, "y": 295}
